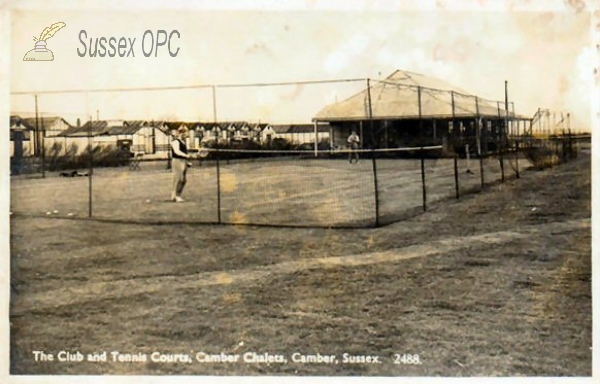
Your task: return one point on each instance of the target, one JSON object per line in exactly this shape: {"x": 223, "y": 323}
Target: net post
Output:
{"x": 373, "y": 160}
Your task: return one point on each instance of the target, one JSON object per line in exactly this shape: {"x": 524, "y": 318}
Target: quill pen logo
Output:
{"x": 40, "y": 52}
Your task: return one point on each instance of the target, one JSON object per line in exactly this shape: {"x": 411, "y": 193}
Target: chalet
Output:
{"x": 301, "y": 133}
{"x": 140, "y": 136}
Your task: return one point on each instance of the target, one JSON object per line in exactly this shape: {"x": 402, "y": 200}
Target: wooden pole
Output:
{"x": 331, "y": 138}
{"x": 423, "y": 183}
{"x": 373, "y": 160}
{"x": 218, "y": 155}
{"x": 91, "y": 168}
{"x": 316, "y": 140}
{"x": 43, "y": 149}
{"x": 214, "y": 97}
{"x": 456, "y": 181}
{"x": 541, "y": 131}
{"x": 39, "y": 139}
{"x": 517, "y": 138}
{"x": 500, "y": 141}
{"x": 479, "y": 129}
{"x": 506, "y": 118}
{"x": 36, "y": 144}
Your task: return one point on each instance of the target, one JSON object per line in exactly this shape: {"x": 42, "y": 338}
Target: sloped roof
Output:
{"x": 299, "y": 128}
{"x": 96, "y": 127}
{"x": 396, "y": 97}
{"x": 47, "y": 121}
{"x": 125, "y": 128}
{"x": 106, "y": 127}
{"x": 259, "y": 126}
{"x": 281, "y": 128}
{"x": 206, "y": 126}
{"x": 176, "y": 124}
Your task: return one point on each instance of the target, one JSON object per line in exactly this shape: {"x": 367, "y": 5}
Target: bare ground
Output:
{"x": 495, "y": 284}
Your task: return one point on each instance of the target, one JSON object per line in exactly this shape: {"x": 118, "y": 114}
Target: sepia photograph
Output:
{"x": 298, "y": 190}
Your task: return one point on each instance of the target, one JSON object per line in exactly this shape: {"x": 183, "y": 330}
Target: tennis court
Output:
{"x": 311, "y": 192}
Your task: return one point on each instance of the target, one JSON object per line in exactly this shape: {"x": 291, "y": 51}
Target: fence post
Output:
{"x": 499, "y": 144}
{"x": 455, "y": 155}
{"x": 43, "y": 148}
{"x": 506, "y": 130}
{"x": 517, "y": 158}
{"x": 424, "y": 185}
{"x": 479, "y": 135}
{"x": 374, "y": 161}
{"x": 169, "y": 152}
{"x": 91, "y": 169}
{"x": 501, "y": 162}
{"x": 36, "y": 137}
{"x": 456, "y": 176}
{"x": 218, "y": 187}
{"x": 572, "y": 154}
{"x": 422, "y": 152}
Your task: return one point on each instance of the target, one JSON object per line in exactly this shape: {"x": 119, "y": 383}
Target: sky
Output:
{"x": 544, "y": 55}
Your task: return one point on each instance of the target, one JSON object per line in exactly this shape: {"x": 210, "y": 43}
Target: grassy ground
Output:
{"x": 311, "y": 192}
{"x": 497, "y": 283}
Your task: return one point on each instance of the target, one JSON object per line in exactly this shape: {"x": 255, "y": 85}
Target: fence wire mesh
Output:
{"x": 258, "y": 170}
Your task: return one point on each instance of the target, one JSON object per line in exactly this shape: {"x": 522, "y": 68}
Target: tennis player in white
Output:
{"x": 353, "y": 144}
{"x": 180, "y": 163}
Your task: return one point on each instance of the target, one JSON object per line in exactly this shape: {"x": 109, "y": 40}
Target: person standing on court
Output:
{"x": 353, "y": 142}
{"x": 180, "y": 163}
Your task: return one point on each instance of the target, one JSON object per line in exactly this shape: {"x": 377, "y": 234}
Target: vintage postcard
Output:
{"x": 253, "y": 190}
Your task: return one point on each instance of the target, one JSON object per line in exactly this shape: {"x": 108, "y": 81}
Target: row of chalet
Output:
{"x": 151, "y": 138}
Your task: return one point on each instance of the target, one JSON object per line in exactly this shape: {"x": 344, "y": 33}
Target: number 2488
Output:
{"x": 407, "y": 359}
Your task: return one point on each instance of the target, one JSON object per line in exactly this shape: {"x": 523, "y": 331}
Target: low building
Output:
{"x": 409, "y": 109}
{"x": 148, "y": 138}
